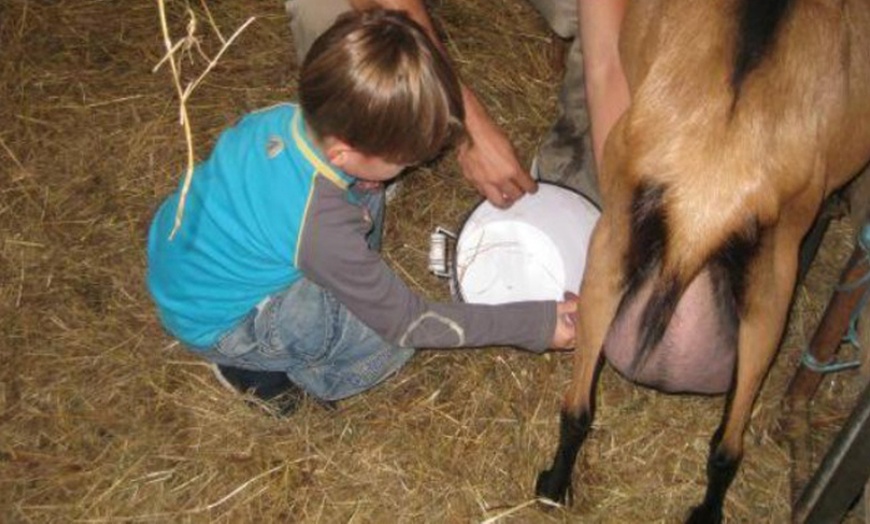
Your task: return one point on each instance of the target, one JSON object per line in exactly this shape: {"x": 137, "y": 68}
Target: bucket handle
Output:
{"x": 439, "y": 262}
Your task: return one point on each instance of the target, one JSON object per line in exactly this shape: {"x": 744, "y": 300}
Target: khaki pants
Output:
{"x": 310, "y": 18}
{"x": 565, "y": 154}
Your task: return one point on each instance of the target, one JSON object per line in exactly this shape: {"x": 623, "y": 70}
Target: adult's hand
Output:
{"x": 488, "y": 160}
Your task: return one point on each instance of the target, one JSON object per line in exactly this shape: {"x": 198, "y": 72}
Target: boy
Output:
{"x": 274, "y": 274}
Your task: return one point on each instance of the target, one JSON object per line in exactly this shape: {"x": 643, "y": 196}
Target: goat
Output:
{"x": 745, "y": 116}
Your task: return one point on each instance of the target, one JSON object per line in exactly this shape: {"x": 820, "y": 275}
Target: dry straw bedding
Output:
{"x": 103, "y": 418}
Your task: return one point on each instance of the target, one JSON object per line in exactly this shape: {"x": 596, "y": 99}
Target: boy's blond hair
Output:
{"x": 375, "y": 81}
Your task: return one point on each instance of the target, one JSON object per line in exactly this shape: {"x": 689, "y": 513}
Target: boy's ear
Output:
{"x": 338, "y": 153}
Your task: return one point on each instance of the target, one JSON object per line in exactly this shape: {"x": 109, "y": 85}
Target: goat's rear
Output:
{"x": 745, "y": 116}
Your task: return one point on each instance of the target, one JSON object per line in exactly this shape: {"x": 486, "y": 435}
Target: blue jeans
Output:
{"x": 307, "y": 333}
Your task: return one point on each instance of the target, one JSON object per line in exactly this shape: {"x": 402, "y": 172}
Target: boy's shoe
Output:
{"x": 274, "y": 388}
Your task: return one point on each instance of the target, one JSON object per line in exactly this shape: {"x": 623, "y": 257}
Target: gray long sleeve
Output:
{"x": 333, "y": 253}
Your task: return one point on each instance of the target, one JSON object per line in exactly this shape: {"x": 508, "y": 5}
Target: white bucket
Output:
{"x": 534, "y": 250}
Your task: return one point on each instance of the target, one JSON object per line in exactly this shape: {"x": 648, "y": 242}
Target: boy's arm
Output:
{"x": 333, "y": 253}
{"x": 488, "y": 159}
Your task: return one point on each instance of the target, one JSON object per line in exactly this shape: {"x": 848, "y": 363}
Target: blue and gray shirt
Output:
{"x": 266, "y": 209}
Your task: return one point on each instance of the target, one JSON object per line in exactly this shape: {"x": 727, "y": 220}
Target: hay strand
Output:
{"x": 184, "y": 94}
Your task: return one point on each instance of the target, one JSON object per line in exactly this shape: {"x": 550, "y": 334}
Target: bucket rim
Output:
{"x": 464, "y": 222}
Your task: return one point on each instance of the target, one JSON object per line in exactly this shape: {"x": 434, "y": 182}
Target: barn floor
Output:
{"x": 103, "y": 418}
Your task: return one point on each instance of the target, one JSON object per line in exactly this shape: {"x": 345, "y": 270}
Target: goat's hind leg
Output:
{"x": 769, "y": 287}
{"x": 597, "y": 305}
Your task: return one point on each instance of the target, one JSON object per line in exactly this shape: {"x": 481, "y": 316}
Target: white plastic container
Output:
{"x": 534, "y": 250}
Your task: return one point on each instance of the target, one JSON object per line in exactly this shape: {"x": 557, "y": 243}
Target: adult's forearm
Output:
{"x": 606, "y": 86}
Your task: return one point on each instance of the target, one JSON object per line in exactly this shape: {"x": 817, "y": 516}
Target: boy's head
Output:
{"x": 375, "y": 86}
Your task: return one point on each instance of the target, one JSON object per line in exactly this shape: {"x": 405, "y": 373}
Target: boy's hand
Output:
{"x": 566, "y": 316}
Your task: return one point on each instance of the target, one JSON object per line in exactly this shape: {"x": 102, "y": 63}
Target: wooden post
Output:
{"x": 826, "y": 340}
{"x": 843, "y": 472}
{"x": 829, "y": 334}
{"x": 864, "y": 342}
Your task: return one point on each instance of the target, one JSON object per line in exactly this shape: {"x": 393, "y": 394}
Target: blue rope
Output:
{"x": 807, "y": 359}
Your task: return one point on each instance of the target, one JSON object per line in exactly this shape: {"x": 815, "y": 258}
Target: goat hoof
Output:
{"x": 704, "y": 514}
{"x": 552, "y": 489}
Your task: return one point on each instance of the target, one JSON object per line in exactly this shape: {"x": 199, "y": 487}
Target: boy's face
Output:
{"x": 360, "y": 165}
{"x": 371, "y": 168}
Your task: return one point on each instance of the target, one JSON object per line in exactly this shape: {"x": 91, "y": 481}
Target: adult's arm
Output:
{"x": 606, "y": 87}
{"x": 488, "y": 160}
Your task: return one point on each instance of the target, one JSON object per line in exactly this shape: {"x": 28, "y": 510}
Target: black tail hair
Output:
{"x": 734, "y": 257}
{"x": 759, "y": 21}
{"x": 647, "y": 245}
{"x": 649, "y": 235}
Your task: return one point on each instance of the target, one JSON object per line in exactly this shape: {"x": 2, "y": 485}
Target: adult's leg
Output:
{"x": 565, "y": 155}
{"x": 311, "y": 18}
